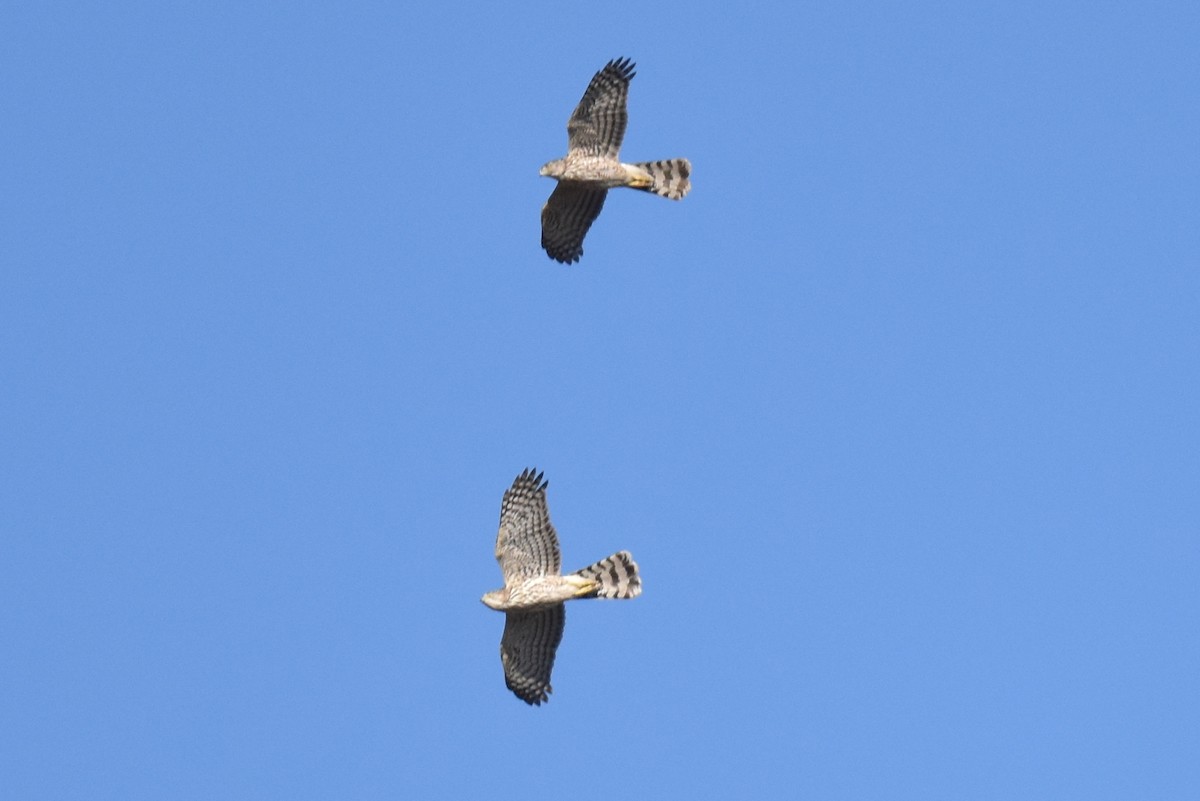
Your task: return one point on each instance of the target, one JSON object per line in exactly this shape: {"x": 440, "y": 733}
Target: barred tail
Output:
{"x": 670, "y": 177}
{"x": 617, "y": 577}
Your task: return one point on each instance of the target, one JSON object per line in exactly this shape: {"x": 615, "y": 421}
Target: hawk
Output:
{"x": 535, "y": 589}
{"x": 591, "y": 166}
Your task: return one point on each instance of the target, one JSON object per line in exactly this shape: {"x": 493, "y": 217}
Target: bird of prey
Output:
{"x": 591, "y": 166}
{"x": 535, "y": 589}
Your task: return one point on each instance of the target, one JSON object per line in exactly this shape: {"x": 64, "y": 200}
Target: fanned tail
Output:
{"x": 671, "y": 177}
{"x": 616, "y": 577}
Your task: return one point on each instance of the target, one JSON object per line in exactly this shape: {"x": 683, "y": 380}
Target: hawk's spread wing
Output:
{"x": 566, "y": 218}
{"x": 597, "y": 125}
{"x": 526, "y": 545}
{"x": 527, "y": 651}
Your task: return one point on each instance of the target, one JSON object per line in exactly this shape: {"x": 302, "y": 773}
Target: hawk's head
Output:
{"x": 553, "y": 169}
{"x": 496, "y": 599}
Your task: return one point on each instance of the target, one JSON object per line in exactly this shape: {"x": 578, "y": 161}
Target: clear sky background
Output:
{"x": 899, "y": 410}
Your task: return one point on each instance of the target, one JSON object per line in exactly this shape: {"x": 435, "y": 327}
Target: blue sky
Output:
{"x": 897, "y": 410}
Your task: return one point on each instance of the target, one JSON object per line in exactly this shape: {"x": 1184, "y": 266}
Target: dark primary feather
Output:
{"x": 527, "y": 651}
{"x": 566, "y": 218}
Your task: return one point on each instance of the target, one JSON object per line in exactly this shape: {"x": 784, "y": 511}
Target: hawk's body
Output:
{"x": 535, "y": 589}
{"x": 591, "y": 166}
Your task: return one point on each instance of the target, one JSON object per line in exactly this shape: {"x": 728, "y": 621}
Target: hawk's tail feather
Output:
{"x": 616, "y": 577}
{"x": 671, "y": 177}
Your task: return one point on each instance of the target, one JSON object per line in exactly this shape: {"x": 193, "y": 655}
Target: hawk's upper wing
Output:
{"x": 566, "y": 218}
{"x": 598, "y": 124}
{"x": 526, "y": 545}
{"x": 527, "y": 651}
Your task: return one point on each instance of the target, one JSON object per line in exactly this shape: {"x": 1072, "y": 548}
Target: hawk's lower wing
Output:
{"x": 527, "y": 651}
{"x": 566, "y": 218}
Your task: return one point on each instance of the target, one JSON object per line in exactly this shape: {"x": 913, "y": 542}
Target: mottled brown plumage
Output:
{"x": 534, "y": 588}
{"x": 592, "y": 167}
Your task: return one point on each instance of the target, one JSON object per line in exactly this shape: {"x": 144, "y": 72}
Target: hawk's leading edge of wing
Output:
{"x": 566, "y": 218}
{"x": 597, "y": 125}
{"x": 527, "y": 651}
{"x": 526, "y": 545}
